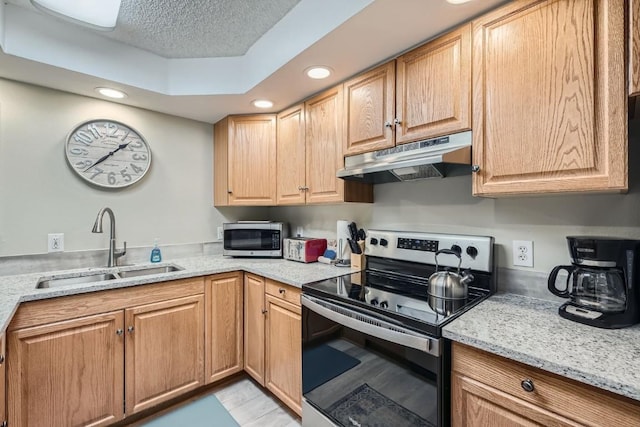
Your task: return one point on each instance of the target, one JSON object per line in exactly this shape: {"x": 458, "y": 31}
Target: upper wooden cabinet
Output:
{"x": 245, "y": 161}
{"x": 634, "y": 47}
{"x": 550, "y": 107}
{"x": 291, "y": 163}
{"x": 223, "y": 326}
{"x": 488, "y": 390}
{"x": 422, "y": 94}
{"x": 324, "y": 152}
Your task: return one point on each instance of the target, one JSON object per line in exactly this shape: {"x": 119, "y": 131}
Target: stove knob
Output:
{"x": 373, "y": 241}
{"x": 457, "y": 249}
{"x": 472, "y": 251}
{"x": 384, "y": 242}
{"x": 384, "y": 304}
{"x": 374, "y": 302}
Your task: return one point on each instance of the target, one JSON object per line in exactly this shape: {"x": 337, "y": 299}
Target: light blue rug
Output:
{"x": 205, "y": 412}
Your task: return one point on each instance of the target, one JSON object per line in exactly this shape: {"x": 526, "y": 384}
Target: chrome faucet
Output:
{"x": 97, "y": 228}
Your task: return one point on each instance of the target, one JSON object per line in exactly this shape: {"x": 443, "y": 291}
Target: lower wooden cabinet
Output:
{"x": 224, "y": 348}
{"x": 254, "y": 312}
{"x": 273, "y": 338}
{"x": 283, "y": 352}
{"x": 164, "y": 351}
{"x": 489, "y": 390}
{"x": 3, "y": 365}
{"x": 67, "y": 373}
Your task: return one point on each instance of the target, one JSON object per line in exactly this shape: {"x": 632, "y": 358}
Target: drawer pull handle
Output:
{"x": 282, "y": 291}
{"x": 527, "y": 385}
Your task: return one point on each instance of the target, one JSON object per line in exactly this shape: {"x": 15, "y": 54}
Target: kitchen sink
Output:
{"x": 77, "y": 280}
{"x": 145, "y": 271}
{"x": 45, "y": 282}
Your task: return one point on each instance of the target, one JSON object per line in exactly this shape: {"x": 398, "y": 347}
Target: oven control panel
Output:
{"x": 418, "y": 244}
{"x": 476, "y": 252}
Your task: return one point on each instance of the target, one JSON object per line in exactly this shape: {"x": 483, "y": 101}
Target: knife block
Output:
{"x": 357, "y": 261}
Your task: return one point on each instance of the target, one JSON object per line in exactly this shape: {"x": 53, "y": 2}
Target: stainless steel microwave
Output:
{"x": 254, "y": 238}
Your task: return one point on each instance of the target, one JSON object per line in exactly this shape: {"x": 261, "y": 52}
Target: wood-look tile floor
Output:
{"x": 248, "y": 403}
{"x": 251, "y": 406}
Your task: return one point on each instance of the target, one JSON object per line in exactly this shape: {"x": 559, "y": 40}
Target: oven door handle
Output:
{"x": 372, "y": 326}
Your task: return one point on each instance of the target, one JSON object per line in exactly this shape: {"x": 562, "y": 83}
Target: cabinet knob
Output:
{"x": 300, "y": 188}
{"x": 130, "y": 329}
{"x": 1, "y": 359}
{"x": 475, "y": 168}
{"x": 119, "y": 332}
{"x": 388, "y": 125}
{"x": 229, "y": 191}
{"x": 397, "y": 122}
{"x": 264, "y": 311}
{"x": 527, "y": 385}
{"x": 282, "y": 291}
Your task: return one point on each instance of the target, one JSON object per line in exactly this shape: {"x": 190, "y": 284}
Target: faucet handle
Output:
{"x": 124, "y": 251}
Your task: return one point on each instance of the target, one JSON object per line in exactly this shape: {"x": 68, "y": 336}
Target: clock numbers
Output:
{"x": 107, "y": 153}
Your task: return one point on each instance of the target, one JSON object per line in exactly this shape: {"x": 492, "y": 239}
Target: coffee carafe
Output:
{"x": 602, "y": 282}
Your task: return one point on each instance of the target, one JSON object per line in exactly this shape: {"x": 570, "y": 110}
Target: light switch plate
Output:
{"x": 56, "y": 242}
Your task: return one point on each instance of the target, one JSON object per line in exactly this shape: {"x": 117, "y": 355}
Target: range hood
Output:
{"x": 434, "y": 158}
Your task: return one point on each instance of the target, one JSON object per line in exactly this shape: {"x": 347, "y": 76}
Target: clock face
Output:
{"x": 107, "y": 153}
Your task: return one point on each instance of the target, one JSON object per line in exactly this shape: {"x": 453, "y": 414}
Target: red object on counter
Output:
{"x": 303, "y": 249}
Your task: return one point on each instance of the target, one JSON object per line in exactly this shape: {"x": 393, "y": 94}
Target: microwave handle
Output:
{"x": 372, "y": 326}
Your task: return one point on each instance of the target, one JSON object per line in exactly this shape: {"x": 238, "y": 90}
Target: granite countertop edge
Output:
{"x": 21, "y": 288}
{"x": 601, "y": 374}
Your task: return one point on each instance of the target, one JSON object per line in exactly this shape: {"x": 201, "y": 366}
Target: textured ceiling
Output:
{"x": 197, "y": 28}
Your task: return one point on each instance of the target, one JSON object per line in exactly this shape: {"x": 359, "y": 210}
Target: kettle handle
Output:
{"x": 448, "y": 252}
{"x": 551, "y": 284}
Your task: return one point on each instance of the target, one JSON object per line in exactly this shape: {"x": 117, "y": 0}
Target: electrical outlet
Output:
{"x": 299, "y": 231}
{"x": 56, "y": 242}
{"x": 220, "y": 233}
{"x": 523, "y": 253}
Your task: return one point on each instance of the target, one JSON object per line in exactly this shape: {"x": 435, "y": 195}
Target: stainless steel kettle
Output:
{"x": 446, "y": 284}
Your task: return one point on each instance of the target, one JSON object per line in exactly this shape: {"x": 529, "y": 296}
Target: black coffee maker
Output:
{"x": 603, "y": 280}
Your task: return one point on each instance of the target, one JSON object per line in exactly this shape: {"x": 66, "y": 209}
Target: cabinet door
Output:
{"x": 324, "y": 147}
{"x": 369, "y": 101}
{"x": 254, "y": 312}
{"x": 634, "y": 47}
{"x": 477, "y": 404}
{"x": 223, "y": 326}
{"x": 252, "y": 160}
{"x": 291, "y": 179}
{"x": 67, "y": 373}
{"x": 284, "y": 352}
{"x": 433, "y": 92}
{"x": 165, "y": 351}
{"x": 550, "y": 107}
{"x": 3, "y": 383}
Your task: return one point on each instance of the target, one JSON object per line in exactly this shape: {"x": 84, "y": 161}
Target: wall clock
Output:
{"x": 107, "y": 153}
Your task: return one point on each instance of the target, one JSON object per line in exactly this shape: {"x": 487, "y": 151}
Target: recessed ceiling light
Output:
{"x": 457, "y": 1}
{"x": 111, "y": 93}
{"x": 262, "y": 103}
{"x": 318, "y": 72}
{"x": 97, "y": 14}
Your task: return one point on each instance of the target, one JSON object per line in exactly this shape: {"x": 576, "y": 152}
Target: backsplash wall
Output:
{"x": 39, "y": 194}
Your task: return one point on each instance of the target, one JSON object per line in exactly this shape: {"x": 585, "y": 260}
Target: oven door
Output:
{"x": 360, "y": 370}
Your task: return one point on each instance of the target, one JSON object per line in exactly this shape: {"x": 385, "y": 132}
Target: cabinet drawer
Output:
{"x": 580, "y": 402}
{"x": 284, "y": 292}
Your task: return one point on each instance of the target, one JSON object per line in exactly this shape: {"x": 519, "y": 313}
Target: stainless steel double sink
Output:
{"x": 92, "y": 276}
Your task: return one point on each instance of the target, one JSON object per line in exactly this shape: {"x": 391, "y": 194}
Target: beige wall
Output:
{"x": 446, "y": 205}
{"x": 39, "y": 194}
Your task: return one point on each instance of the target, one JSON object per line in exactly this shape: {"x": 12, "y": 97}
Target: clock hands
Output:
{"x": 106, "y": 156}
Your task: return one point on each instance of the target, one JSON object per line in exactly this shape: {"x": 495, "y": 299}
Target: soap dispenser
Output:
{"x": 156, "y": 255}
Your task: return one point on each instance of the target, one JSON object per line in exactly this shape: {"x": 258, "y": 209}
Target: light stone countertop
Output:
{"x": 22, "y": 288}
{"x": 531, "y": 331}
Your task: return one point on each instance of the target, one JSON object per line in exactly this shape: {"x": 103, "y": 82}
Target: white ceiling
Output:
{"x": 206, "y": 59}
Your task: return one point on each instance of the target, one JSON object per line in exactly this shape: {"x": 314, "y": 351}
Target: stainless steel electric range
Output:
{"x": 373, "y": 352}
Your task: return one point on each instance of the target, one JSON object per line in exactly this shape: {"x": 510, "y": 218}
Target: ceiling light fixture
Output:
{"x": 457, "y": 1}
{"x": 111, "y": 93}
{"x": 262, "y": 103}
{"x": 318, "y": 72}
{"x": 97, "y": 14}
